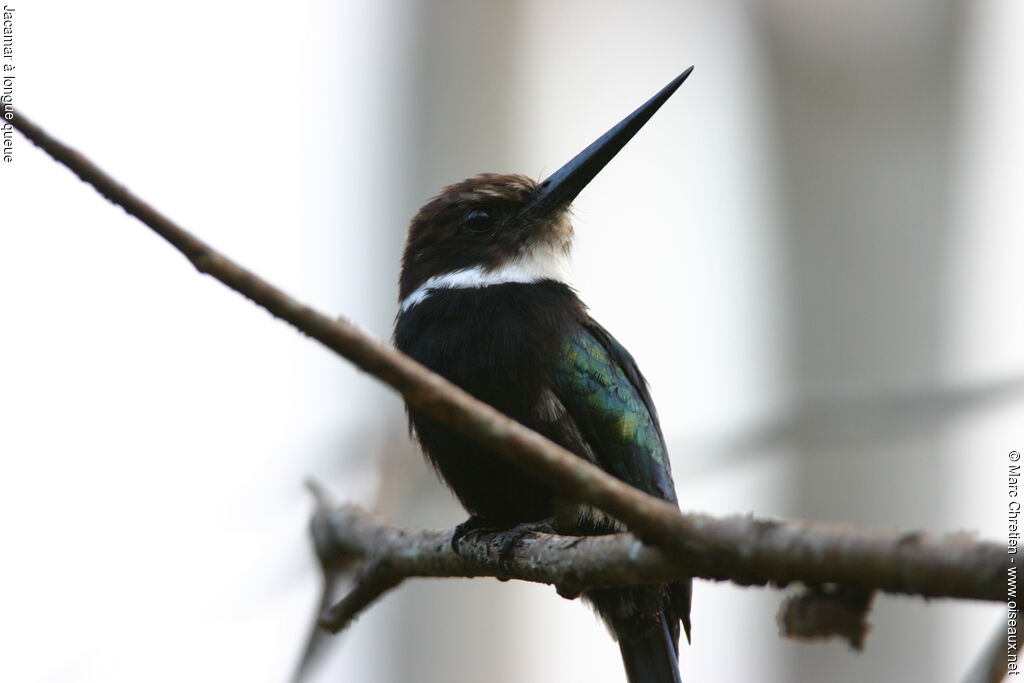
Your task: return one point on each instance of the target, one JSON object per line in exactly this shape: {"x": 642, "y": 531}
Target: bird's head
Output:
{"x": 482, "y": 229}
{"x": 495, "y": 228}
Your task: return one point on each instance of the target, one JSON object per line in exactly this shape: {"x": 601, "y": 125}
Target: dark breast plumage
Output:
{"x": 532, "y": 351}
{"x": 495, "y": 343}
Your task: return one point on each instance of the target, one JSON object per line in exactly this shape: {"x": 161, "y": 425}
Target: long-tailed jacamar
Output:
{"x": 484, "y": 302}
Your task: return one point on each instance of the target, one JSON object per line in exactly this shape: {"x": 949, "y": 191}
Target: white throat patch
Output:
{"x": 542, "y": 262}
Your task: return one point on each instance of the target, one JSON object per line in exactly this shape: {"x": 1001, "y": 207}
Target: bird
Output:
{"x": 484, "y": 301}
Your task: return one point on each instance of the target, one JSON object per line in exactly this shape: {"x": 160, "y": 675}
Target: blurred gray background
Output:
{"x": 812, "y": 251}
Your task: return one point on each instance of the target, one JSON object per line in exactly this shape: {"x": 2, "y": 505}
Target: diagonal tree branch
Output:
{"x": 566, "y": 473}
{"x": 744, "y": 550}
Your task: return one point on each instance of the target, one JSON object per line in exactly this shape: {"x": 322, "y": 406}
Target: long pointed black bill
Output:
{"x": 562, "y": 186}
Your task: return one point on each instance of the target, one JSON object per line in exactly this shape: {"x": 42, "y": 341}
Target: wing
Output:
{"x": 603, "y": 392}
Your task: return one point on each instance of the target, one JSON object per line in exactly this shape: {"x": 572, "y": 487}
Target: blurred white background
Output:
{"x": 812, "y": 250}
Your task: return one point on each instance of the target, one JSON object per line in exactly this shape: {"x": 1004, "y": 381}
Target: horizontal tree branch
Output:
{"x": 744, "y": 550}
{"x": 770, "y": 552}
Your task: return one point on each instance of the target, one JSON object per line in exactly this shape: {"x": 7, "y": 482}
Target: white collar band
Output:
{"x": 538, "y": 264}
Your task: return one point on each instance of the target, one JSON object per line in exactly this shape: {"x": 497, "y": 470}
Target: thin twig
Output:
{"x": 992, "y": 663}
{"x": 367, "y": 589}
{"x": 330, "y": 573}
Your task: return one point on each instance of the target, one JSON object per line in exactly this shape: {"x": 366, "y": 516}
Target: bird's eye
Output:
{"x": 478, "y": 220}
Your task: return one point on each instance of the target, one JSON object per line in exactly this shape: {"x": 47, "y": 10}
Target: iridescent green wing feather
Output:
{"x": 605, "y": 395}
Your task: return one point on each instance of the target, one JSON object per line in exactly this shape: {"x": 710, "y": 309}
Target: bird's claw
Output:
{"x": 472, "y": 525}
{"x": 511, "y": 538}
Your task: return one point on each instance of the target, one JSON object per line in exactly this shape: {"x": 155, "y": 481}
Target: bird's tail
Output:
{"x": 649, "y": 656}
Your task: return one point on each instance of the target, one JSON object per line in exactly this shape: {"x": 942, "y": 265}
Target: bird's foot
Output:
{"x": 511, "y": 538}
{"x": 472, "y": 525}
